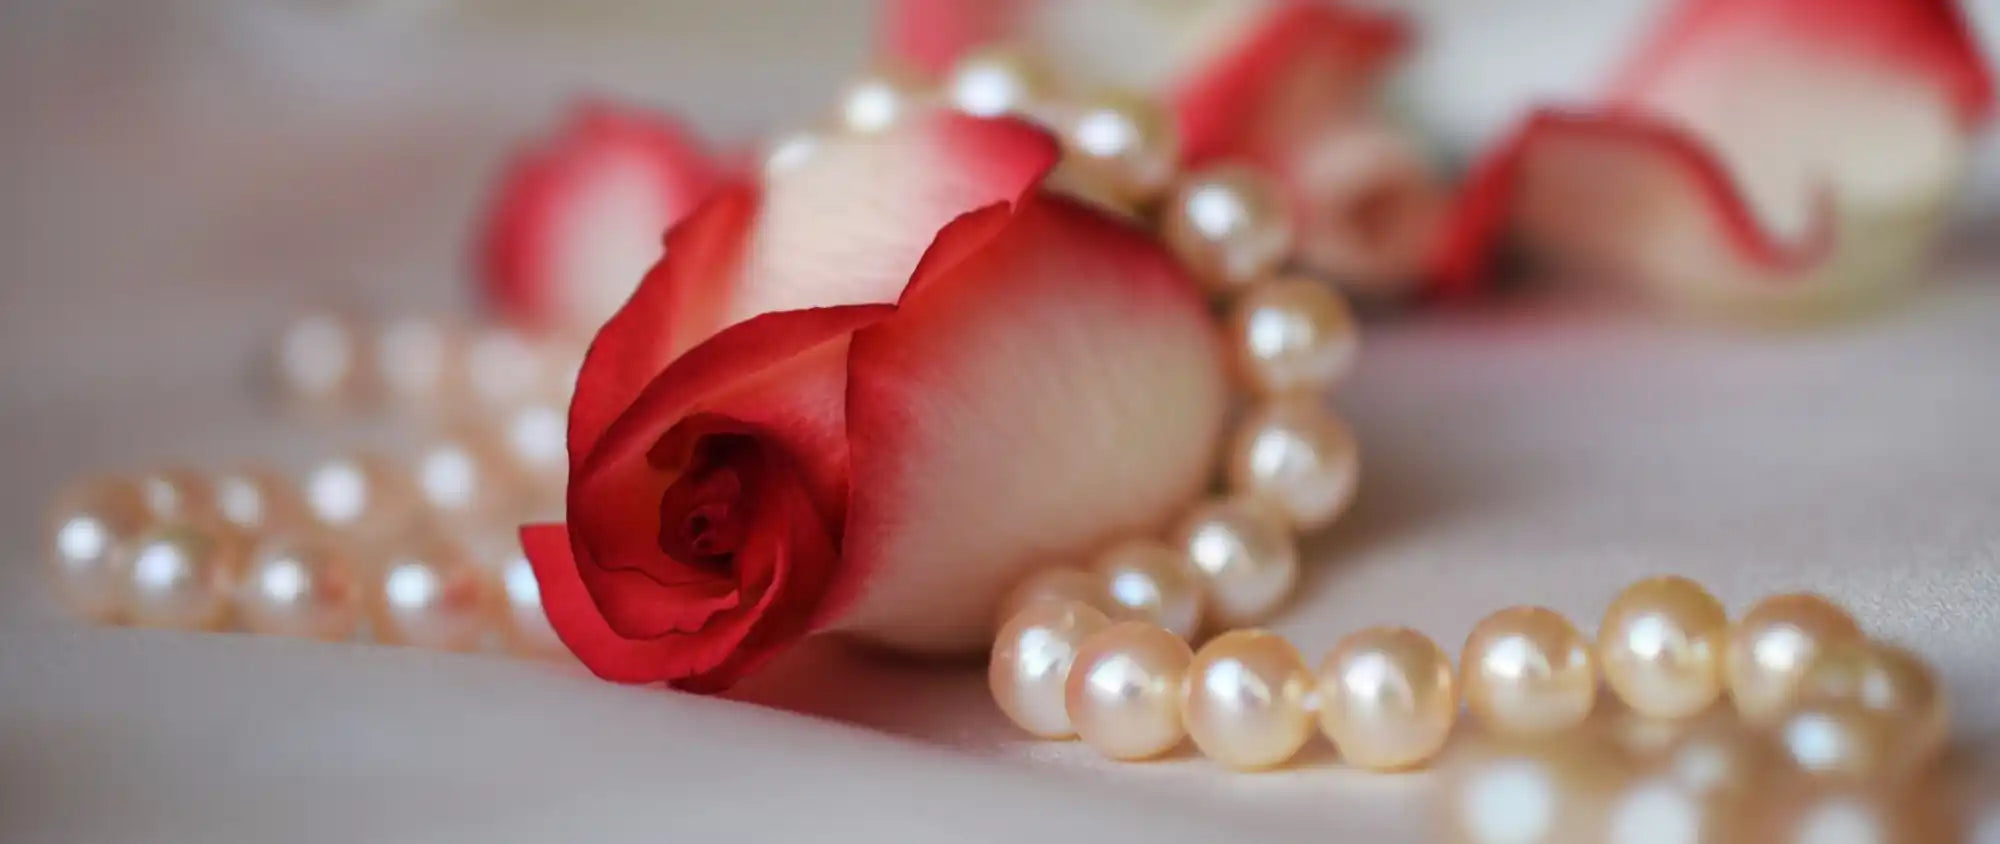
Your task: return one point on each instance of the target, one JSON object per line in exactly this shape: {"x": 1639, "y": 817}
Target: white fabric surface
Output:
{"x": 177, "y": 181}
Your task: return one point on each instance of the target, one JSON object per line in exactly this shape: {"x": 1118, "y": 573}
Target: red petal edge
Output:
{"x": 513, "y": 249}
{"x": 930, "y": 35}
{"x": 1485, "y": 203}
{"x": 1926, "y": 37}
{"x": 1220, "y": 99}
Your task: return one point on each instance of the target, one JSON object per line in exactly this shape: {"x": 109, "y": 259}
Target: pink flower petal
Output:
{"x": 1043, "y": 395}
{"x": 1759, "y": 154}
{"x": 578, "y": 219}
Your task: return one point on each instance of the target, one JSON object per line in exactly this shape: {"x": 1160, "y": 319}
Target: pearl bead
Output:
{"x": 788, "y": 152}
{"x": 1387, "y": 698}
{"x": 504, "y": 369}
{"x": 1296, "y": 459}
{"x": 420, "y": 361}
{"x": 1292, "y": 335}
{"x": 305, "y": 588}
{"x": 878, "y": 101}
{"x": 1847, "y": 741}
{"x": 1123, "y": 692}
{"x": 536, "y": 440}
{"x": 1229, "y": 224}
{"x": 1774, "y": 643}
{"x": 1245, "y": 701}
{"x": 180, "y": 576}
{"x": 465, "y": 478}
{"x": 1031, "y": 661}
{"x": 1527, "y": 672}
{"x": 87, "y": 533}
{"x": 1661, "y": 645}
{"x": 523, "y": 623}
{"x": 364, "y": 497}
{"x": 993, "y": 83}
{"x": 431, "y": 595}
{"x": 256, "y": 499}
{"x": 1057, "y": 584}
{"x": 1124, "y": 143}
{"x": 1244, "y": 556}
{"x": 1882, "y": 679}
{"x": 319, "y": 360}
{"x": 1148, "y": 580}
{"x": 178, "y": 494}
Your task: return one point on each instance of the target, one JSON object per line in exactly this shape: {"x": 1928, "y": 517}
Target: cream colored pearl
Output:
{"x": 1245, "y": 701}
{"x": 1661, "y": 646}
{"x": 1031, "y": 661}
{"x": 1149, "y": 580}
{"x": 1292, "y": 335}
{"x": 180, "y": 576}
{"x": 524, "y": 624}
{"x": 367, "y": 497}
{"x": 536, "y": 441}
{"x": 504, "y": 369}
{"x": 320, "y": 360}
{"x": 1123, "y": 694}
{"x": 178, "y": 494}
{"x": 1847, "y": 741}
{"x": 787, "y": 153}
{"x": 1244, "y": 556}
{"x": 304, "y": 588}
{"x": 1229, "y": 224}
{"x": 1882, "y": 679}
{"x": 1774, "y": 643}
{"x": 1058, "y": 584}
{"x": 1126, "y": 143}
{"x": 995, "y": 82}
{"x": 88, "y": 533}
{"x": 465, "y": 478}
{"x": 878, "y": 101}
{"x": 1298, "y": 459}
{"x": 1387, "y": 698}
{"x": 420, "y": 361}
{"x": 431, "y": 595}
{"x": 257, "y": 499}
{"x": 1527, "y": 672}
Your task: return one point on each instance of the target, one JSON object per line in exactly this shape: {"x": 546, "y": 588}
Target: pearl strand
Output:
{"x": 1388, "y": 698}
{"x": 1291, "y": 465}
{"x": 404, "y": 551}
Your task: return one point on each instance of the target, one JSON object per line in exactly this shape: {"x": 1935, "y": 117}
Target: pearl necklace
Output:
{"x": 1101, "y": 652}
{"x": 416, "y": 551}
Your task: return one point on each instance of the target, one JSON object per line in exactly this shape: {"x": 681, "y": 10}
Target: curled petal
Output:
{"x": 777, "y": 380}
{"x": 577, "y": 220}
{"x": 1055, "y": 389}
{"x": 1759, "y": 154}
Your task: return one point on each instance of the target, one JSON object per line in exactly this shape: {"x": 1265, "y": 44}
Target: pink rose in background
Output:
{"x": 1768, "y": 157}
{"x": 1289, "y": 85}
{"x": 866, "y": 395}
{"x": 577, "y": 218}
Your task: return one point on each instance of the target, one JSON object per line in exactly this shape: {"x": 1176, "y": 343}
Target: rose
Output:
{"x": 1285, "y": 84}
{"x": 575, "y": 220}
{"x": 1766, "y": 157}
{"x": 866, "y": 396}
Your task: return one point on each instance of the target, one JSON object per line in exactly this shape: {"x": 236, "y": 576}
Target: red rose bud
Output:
{"x": 866, "y": 395}
{"x": 578, "y": 218}
{"x": 1765, "y": 156}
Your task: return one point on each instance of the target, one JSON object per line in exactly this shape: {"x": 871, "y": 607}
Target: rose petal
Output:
{"x": 1742, "y": 140}
{"x": 1055, "y": 389}
{"x": 849, "y": 224}
{"x": 779, "y": 377}
{"x": 1236, "y": 72}
{"x": 577, "y": 220}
